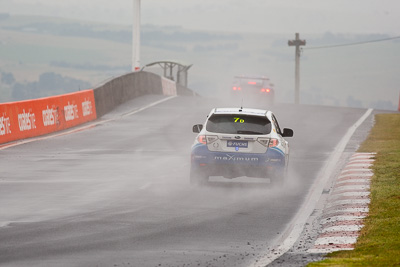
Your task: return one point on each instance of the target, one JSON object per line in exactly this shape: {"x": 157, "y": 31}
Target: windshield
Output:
{"x": 238, "y": 124}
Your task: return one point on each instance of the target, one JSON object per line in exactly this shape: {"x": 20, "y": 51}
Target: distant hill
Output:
{"x": 90, "y": 53}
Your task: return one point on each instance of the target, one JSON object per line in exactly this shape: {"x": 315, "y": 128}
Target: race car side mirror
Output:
{"x": 287, "y": 132}
{"x": 197, "y": 128}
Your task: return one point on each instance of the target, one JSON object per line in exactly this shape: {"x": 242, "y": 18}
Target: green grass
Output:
{"x": 379, "y": 241}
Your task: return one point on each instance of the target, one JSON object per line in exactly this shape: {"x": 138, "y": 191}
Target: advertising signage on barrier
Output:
{"x": 24, "y": 119}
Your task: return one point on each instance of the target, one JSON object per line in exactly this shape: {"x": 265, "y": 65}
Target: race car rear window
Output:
{"x": 249, "y": 81}
{"x": 238, "y": 124}
{"x": 252, "y": 82}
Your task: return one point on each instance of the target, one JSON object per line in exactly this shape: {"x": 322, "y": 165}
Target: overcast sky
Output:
{"x": 267, "y": 16}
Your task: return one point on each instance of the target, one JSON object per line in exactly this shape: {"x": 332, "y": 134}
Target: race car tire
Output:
{"x": 197, "y": 177}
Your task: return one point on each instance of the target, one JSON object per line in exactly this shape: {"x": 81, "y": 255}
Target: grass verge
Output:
{"x": 379, "y": 240}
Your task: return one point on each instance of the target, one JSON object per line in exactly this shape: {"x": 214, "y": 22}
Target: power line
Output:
{"x": 352, "y": 44}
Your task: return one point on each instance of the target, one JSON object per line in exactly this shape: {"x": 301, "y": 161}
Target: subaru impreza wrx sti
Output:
{"x": 237, "y": 142}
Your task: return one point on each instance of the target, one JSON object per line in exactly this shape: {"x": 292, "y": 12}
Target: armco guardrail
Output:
{"x": 24, "y": 119}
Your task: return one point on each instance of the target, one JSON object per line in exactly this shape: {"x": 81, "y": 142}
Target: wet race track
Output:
{"x": 118, "y": 194}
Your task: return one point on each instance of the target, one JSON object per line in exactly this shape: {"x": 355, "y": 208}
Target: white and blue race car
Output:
{"x": 237, "y": 142}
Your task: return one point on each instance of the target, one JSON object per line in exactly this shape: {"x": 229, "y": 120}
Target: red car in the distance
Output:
{"x": 252, "y": 89}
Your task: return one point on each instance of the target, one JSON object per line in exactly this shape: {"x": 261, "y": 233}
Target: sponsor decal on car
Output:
{"x": 228, "y": 157}
{"x": 243, "y": 144}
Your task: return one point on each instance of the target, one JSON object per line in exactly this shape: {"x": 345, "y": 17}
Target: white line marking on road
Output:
{"x": 363, "y": 155}
{"x": 351, "y": 194}
{"x": 76, "y": 129}
{"x": 356, "y": 174}
{"x": 348, "y": 201}
{"x": 342, "y": 228}
{"x": 351, "y": 187}
{"x": 359, "y": 164}
{"x": 362, "y": 171}
{"x": 148, "y": 106}
{"x": 336, "y": 240}
{"x": 347, "y": 210}
{"x": 327, "y": 250}
{"x": 296, "y": 226}
{"x": 341, "y": 219}
{"x": 351, "y": 181}
{"x": 33, "y": 139}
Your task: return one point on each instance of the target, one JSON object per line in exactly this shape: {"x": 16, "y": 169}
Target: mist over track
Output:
{"x": 118, "y": 194}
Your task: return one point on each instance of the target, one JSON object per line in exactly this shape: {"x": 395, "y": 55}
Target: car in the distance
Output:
{"x": 254, "y": 89}
{"x": 237, "y": 142}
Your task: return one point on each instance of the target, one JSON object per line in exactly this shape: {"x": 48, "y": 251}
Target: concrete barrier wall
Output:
{"x": 168, "y": 86}
{"x": 125, "y": 88}
{"x": 24, "y": 119}
{"x": 132, "y": 85}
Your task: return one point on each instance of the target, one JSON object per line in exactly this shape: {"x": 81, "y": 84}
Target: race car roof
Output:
{"x": 246, "y": 111}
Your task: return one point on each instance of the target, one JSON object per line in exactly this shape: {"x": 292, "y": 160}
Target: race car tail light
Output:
{"x": 239, "y": 88}
{"x": 265, "y": 90}
{"x": 263, "y": 141}
{"x": 234, "y": 88}
{"x": 252, "y": 83}
{"x": 211, "y": 138}
{"x": 202, "y": 139}
{"x": 274, "y": 142}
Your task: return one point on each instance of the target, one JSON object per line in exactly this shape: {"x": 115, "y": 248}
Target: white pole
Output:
{"x": 136, "y": 36}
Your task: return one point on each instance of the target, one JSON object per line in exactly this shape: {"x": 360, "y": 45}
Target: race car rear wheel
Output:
{"x": 197, "y": 177}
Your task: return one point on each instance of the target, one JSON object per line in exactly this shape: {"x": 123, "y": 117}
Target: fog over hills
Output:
{"x": 311, "y": 16}
{"x": 220, "y": 39}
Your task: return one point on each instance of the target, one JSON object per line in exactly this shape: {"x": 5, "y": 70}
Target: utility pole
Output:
{"x": 297, "y": 42}
{"x": 136, "y": 36}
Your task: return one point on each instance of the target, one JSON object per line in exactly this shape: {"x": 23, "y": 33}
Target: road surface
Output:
{"x": 118, "y": 194}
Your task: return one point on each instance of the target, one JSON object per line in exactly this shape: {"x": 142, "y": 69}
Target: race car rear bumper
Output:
{"x": 232, "y": 165}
